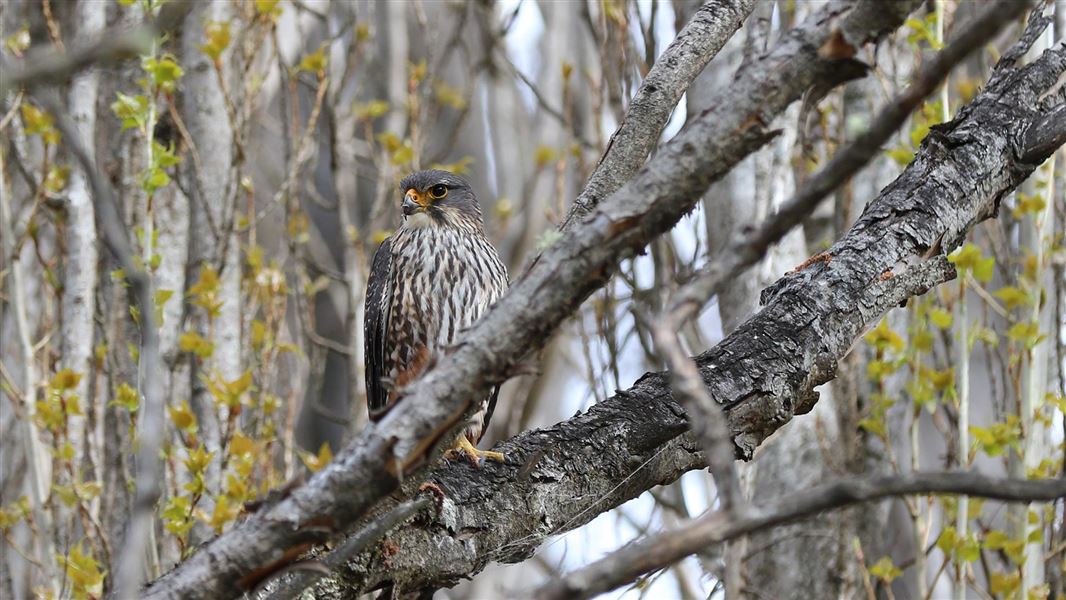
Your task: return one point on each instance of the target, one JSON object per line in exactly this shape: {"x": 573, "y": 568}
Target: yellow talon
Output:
{"x": 463, "y": 447}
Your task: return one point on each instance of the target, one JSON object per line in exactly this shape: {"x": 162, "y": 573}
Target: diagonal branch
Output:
{"x": 582, "y": 260}
{"x": 692, "y": 49}
{"x": 763, "y": 374}
{"x": 598, "y": 460}
{"x": 658, "y": 551}
{"x": 749, "y": 246}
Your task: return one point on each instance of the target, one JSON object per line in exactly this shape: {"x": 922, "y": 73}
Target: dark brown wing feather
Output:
{"x": 488, "y": 412}
{"x": 376, "y": 327}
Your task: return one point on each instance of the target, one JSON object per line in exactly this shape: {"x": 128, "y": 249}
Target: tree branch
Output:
{"x": 149, "y": 469}
{"x": 762, "y": 374}
{"x": 579, "y": 263}
{"x": 696, "y": 44}
{"x": 749, "y": 246}
{"x": 658, "y": 551}
{"x": 53, "y": 66}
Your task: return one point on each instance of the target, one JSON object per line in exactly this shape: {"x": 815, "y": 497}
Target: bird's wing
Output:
{"x": 376, "y": 328}
{"x": 489, "y": 409}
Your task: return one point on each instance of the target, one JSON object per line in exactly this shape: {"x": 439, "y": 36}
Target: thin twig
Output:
{"x": 748, "y": 247}
{"x": 148, "y": 476}
{"x": 656, "y": 552}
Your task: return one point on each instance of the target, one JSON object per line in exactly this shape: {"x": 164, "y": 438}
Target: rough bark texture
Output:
{"x": 763, "y": 373}
{"x": 595, "y": 461}
{"x": 578, "y": 264}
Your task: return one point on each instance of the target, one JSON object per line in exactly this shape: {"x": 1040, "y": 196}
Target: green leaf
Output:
{"x": 874, "y": 426}
{"x": 946, "y": 541}
{"x": 969, "y": 259}
{"x": 83, "y": 572}
{"x": 968, "y": 549}
{"x": 176, "y": 515}
{"x": 1028, "y": 204}
{"x": 884, "y": 338}
{"x": 316, "y": 462}
{"x": 57, "y": 178}
{"x": 1005, "y": 584}
{"x": 131, "y": 110}
{"x": 461, "y": 166}
{"x": 126, "y": 397}
{"x": 448, "y": 95}
{"x": 365, "y": 111}
{"x": 885, "y": 570}
{"x": 315, "y": 62}
{"x": 17, "y": 42}
{"x": 39, "y": 123}
{"x": 1026, "y": 333}
{"x": 941, "y": 318}
{"x": 270, "y": 9}
{"x": 217, "y": 38}
{"x": 182, "y": 417}
{"x": 1012, "y": 297}
{"x": 163, "y": 71}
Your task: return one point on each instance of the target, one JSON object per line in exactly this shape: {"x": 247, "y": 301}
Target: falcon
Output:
{"x": 428, "y": 282}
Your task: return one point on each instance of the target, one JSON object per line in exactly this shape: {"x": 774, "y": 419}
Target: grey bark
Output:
{"x": 79, "y": 274}
{"x": 204, "y": 110}
{"x": 656, "y": 551}
{"x": 696, "y": 44}
{"x": 578, "y": 264}
{"x": 764, "y": 373}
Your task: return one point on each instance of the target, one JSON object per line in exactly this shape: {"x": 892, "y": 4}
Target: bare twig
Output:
{"x": 148, "y": 479}
{"x": 658, "y": 551}
{"x": 706, "y": 415}
{"x": 695, "y": 45}
{"x": 748, "y": 247}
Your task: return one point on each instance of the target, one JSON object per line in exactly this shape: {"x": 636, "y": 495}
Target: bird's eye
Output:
{"x": 438, "y": 191}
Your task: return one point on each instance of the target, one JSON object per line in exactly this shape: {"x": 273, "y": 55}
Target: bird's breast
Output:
{"x": 445, "y": 280}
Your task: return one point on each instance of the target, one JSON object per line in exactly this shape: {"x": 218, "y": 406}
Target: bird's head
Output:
{"x": 438, "y": 198}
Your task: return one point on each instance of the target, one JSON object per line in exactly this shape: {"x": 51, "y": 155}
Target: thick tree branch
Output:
{"x": 578, "y": 264}
{"x": 598, "y": 460}
{"x": 668, "y": 547}
{"x": 293, "y": 586}
{"x": 763, "y": 373}
{"x": 749, "y": 246}
{"x": 696, "y": 44}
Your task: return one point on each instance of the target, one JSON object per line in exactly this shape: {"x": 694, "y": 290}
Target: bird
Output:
{"x": 429, "y": 281}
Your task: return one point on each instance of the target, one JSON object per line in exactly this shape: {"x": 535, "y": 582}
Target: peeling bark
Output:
{"x": 763, "y": 374}
{"x": 578, "y": 264}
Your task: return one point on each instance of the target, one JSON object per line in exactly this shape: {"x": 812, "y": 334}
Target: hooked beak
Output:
{"x": 413, "y": 202}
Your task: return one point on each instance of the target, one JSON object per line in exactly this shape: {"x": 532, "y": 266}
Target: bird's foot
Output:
{"x": 464, "y": 449}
